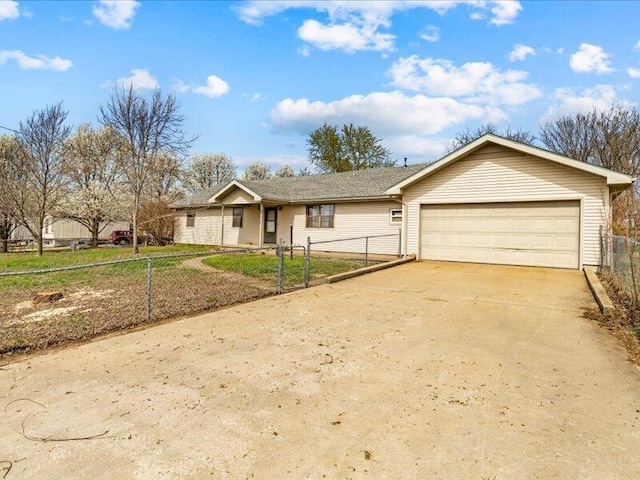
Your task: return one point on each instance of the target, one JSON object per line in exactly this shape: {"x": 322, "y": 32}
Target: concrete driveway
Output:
{"x": 424, "y": 371}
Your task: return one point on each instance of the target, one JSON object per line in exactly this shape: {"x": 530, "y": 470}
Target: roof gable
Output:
{"x": 613, "y": 178}
{"x": 229, "y": 187}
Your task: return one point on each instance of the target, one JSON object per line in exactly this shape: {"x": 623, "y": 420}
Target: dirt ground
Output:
{"x": 427, "y": 370}
{"x": 100, "y": 302}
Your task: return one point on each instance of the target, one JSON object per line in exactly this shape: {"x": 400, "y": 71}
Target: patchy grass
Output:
{"x": 97, "y": 300}
{"x": 65, "y": 258}
{"x": 624, "y": 321}
{"x": 265, "y": 266}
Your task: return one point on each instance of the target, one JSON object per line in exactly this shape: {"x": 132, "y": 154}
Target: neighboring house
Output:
{"x": 61, "y": 231}
{"x": 492, "y": 201}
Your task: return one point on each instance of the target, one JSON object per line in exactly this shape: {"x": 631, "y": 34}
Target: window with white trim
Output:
{"x": 320, "y": 216}
{"x": 237, "y": 217}
{"x": 395, "y": 215}
{"x": 191, "y": 218}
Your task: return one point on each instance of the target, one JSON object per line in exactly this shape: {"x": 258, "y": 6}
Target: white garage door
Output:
{"x": 545, "y": 234}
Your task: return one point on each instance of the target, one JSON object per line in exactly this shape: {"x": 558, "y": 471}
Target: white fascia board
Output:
{"x": 229, "y": 186}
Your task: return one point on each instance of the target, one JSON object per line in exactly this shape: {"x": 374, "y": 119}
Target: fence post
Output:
{"x": 148, "y": 289}
{"x": 307, "y": 262}
{"x": 280, "y": 253}
{"x": 291, "y": 240}
{"x": 366, "y": 251}
{"x": 399, "y": 242}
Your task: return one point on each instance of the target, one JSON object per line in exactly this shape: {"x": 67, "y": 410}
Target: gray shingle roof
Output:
{"x": 344, "y": 185}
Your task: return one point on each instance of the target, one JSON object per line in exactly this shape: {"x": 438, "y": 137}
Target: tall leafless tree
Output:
{"x": 608, "y": 138}
{"x": 39, "y": 168}
{"x": 93, "y": 199}
{"x": 469, "y": 135}
{"x": 146, "y": 129}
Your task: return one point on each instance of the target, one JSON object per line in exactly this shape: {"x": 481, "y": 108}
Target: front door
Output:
{"x": 270, "y": 223}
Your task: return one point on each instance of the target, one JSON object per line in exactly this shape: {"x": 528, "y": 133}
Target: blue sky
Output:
{"x": 254, "y": 78}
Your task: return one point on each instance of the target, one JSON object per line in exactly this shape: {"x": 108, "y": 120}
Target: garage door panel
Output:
{"x": 526, "y": 233}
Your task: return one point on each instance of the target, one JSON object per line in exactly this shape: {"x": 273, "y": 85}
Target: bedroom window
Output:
{"x": 320, "y": 216}
{"x": 237, "y": 217}
{"x": 191, "y": 219}
{"x": 395, "y": 215}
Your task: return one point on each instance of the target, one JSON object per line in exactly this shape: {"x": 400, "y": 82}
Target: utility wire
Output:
{"x": 10, "y": 129}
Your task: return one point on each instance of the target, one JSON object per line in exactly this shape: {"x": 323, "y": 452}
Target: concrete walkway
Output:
{"x": 423, "y": 371}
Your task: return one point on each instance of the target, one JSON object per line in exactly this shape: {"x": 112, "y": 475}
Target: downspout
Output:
{"x": 222, "y": 225}
{"x": 261, "y": 231}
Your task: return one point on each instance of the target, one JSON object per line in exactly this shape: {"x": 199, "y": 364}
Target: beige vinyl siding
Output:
{"x": 206, "y": 229}
{"x": 249, "y": 233}
{"x": 237, "y": 196}
{"x": 498, "y": 174}
{"x": 350, "y": 220}
{"x": 64, "y": 229}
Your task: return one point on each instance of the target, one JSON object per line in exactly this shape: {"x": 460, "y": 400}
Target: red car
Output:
{"x": 121, "y": 237}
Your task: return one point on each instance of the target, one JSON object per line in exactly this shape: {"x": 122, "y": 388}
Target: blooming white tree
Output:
{"x": 94, "y": 198}
{"x": 257, "y": 171}
{"x": 285, "y": 171}
{"x": 208, "y": 169}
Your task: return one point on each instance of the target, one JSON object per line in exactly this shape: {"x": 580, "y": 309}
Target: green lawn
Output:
{"x": 64, "y": 258}
{"x": 266, "y": 266}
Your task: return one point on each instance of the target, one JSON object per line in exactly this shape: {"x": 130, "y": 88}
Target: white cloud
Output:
{"x": 39, "y": 62}
{"x": 633, "y": 72}
{"x": 354, "y": 26}
{"x": 252, "y": 97}
{"x": 140, "y": 78}
{"x": 505, "y": 11}
{"x": 9, "y": 10}
{"x": 520, "y": 52}
{"x": 637, "y": 45}
{"x": 477, "y": 82}
{"x": 115, "y": 13}
{"x": 304, "y": 50}
{"x": 348, "y": 37}
{"x": 215, "y": 87}
{"x": 386, "y": 113}
{"x": 430, "y": 33}
{"x": 570, "y": 102}
{"x": 590, "y": 58}
{"x": 477, "y": 16}
{"x": 274, "y": 161}
{"x": 417, "y": 148}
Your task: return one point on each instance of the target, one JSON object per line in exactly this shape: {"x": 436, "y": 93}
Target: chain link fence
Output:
{"x": 620, "y": 258}
{"x": 66, "y": 296}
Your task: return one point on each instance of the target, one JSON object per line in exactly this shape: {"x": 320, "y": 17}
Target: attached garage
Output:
{"x": 499, "y": 201}
{"x": 544, "y": 234}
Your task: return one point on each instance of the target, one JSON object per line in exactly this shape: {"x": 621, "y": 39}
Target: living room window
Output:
{"x": 237, "y": 217}
{"x": 320, "y": 216}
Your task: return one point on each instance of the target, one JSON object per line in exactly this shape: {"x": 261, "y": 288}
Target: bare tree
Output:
{"x": 209, "y": 169}
{"x": 285, "y": 171}
{"x": 146, "y": 129}
{"x": 257, "y": 171}
{"x": 93, "y": 199}
{"x": 609, "y": 138}
{"x": 39, "y": 179}
{"x": 469, "y": 135}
